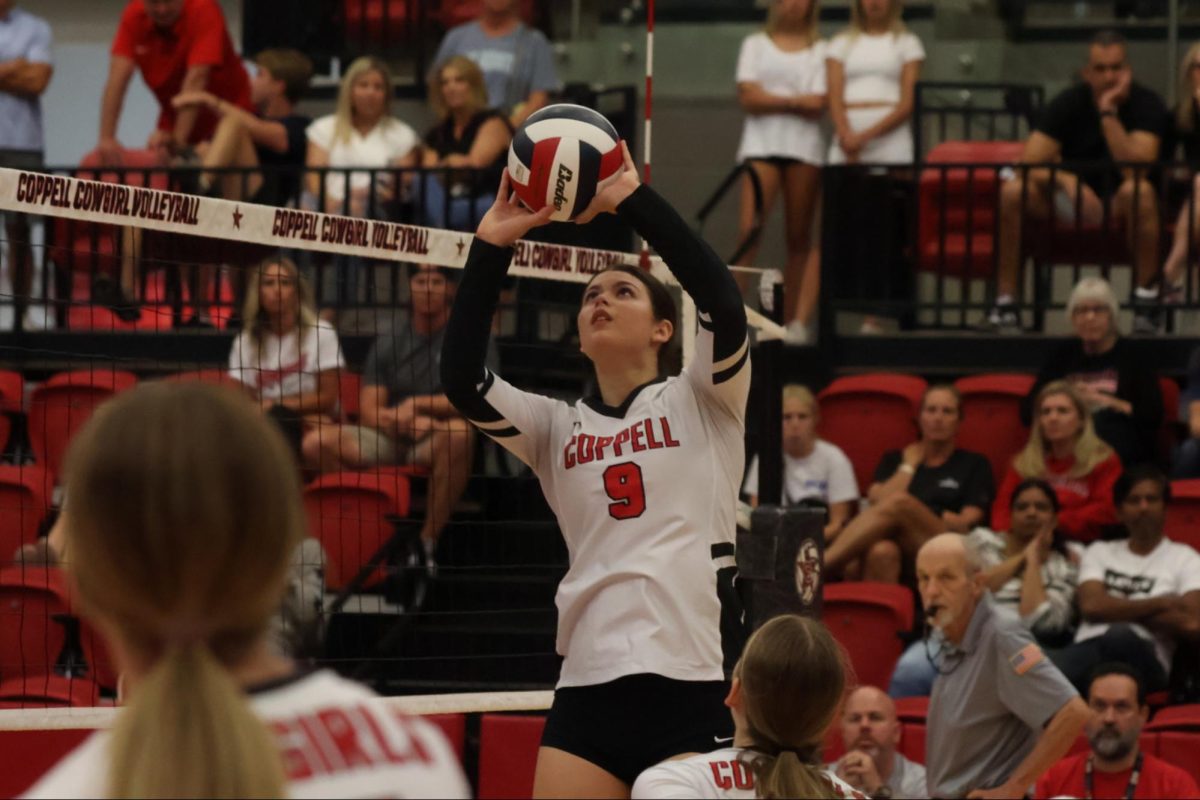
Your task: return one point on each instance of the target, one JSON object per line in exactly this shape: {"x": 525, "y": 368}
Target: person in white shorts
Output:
{"x": 185, "y": 511}
{"x": 781, "y": 87}
{"x": 786, "y": 689}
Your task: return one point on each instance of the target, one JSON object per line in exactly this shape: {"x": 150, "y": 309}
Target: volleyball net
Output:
{"x": 125, "y": 270}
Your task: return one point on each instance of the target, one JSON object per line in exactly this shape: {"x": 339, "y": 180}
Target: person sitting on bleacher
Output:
{"x": 1064, "y": 450}
{"x": 1138, "y": 596}
{"x": 928, "y": 488}
{"x": 1114, "y": 765}
{"x": 1120, "y": 389}
{"x": 1104, "y": 120}
{"x": 1029, "y": 575}
{"x": 405, "y": 417}
{"x": 872, "y": 764}
{"x": 814, "y": 471}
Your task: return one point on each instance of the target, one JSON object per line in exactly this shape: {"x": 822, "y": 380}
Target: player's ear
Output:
{"x": 663, "y": 330}
{"x": 734, "y": 698}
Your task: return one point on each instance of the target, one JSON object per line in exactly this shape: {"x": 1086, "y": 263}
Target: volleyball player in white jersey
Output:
{"x": 185, "y": 510}
{"x": 786, "y": 689}
{"x": 643, "y": 477}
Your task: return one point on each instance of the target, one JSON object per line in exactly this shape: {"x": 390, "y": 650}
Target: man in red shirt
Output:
{"x": 1114, "y": 766}
{"x": 178, "y": 46}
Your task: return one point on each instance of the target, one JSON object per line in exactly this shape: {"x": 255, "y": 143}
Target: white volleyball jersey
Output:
{"x": 337, "y": 739}
{"x": 720, "y": 774}
{"x": 645, "y": 496}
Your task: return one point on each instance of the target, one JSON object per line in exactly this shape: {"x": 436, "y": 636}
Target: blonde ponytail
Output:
{"x": 786, "y": 775}
{"x": 189, "y": 732}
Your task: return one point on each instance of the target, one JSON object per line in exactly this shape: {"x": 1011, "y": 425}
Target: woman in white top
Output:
{"x": 781, "y": 87}
{"x": 185, "y": 511}
{"x": 285, "y": 355}
{"x": 360, "y": 133}
{"x": 787, "y": 686}
{"x": 873, "y": 69}
{"x": 813, "y": 469}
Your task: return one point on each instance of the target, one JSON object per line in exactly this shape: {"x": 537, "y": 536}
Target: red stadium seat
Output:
{"x": 349, "y": 392}
{"x": 867, "y": 415}
{"x": 348, "y": 514}
{"x": 957, "y": 207}
{"x": 1176, "y": 718}
{"x": 910, "y": 711}
{"x": 991, "y": 417}
{"x": 48, "y": 691}
{"x": 31, "y": 639}
{"x": 1183, "y": 512}
{"x": 454, "y": 726}
{"x": 12, "y": 402}
{"x": 1167, "y": 437}
{"x": 866, "y": 618}
{"x": 456, "y": 12}
{"x": 61, "y": 405}
{"x": 24, "y": 503}
{"x": 508, "y": 747}
{"x": 100, "y": 318}
{"x": 1179, "y": 748}
{"x": 376, "y": 21}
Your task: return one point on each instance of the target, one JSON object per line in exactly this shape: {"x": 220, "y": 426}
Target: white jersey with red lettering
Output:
{"x": 717, "y": 775}
{"x": 336, "y": 737}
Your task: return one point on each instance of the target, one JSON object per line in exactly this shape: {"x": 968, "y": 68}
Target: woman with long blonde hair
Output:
{"x": 1064, "y": 450}
{"x": 786, "y": 688}
{"x": 185, "y": 510}
{"x": 360, "y": 133}
{"x": 781, "y": 87}
{"x": 1186, "y": 120}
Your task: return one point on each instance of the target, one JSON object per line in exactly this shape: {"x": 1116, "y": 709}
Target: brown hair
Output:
{"x": 793, "y": 679}
{"x": 473, "y": 75}
{"x": 949, "y": 389}
{"x": 1185, "y": 106}
{"x": 343, "y": 125}
{"x": 185, "y": 510}
{"x": 662, "y": 305}
{"x": 255, "y": 319}
{"x": 810, "y": 24}
{"x": 290, "y": 66}
{"x": 858, "y": 19}
{"x": 1090, "y": 450}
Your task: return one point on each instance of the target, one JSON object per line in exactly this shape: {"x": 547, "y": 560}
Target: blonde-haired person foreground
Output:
{"x": 185, "y": 509}
{"x": 786, "y": 688}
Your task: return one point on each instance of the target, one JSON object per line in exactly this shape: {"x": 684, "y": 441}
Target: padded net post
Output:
{"x": 780, "y": 562}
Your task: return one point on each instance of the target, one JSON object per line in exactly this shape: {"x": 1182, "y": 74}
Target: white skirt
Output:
{"x": 895, "y": 147}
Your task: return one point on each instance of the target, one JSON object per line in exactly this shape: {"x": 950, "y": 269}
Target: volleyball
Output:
{"x": 562, "y": 156}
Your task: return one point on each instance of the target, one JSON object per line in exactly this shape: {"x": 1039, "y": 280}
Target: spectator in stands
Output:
{"x": 404, "y": 416}
{"x": 1138, "y": 596}
{"x": 929, "y": 487}
{"x": 468, "y": 136}
{"x": 1186, "y": 134}
{"x": 1119, "y": 389}
{"x": 360, "y": 133}
{"x": 179, "y": 46}
{"x": 785, "y": 692}
{"x": 814, "y": 471}
{"x": 184, "y": 510}
{"x": 517, "y": 62}
{"x": 285, "y": 355}
{"x": 781, "y": 87}
{"x": 873, "y": 70}
{"x": 273, "y": 138}
{"x": 1186, "y": 461}
{"x": 1029, "y": 574}
{"x": 1114, "y": 765}
{"x": 25, "y": 70}
{"x": 1064, "y": 450}
{"x": 871, "y": 734}
{"x": 1105, "y": 120}
{"x": 1000, "y": 714}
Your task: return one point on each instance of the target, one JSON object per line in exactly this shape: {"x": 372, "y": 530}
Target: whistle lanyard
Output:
{"x": 1129, "y": 790}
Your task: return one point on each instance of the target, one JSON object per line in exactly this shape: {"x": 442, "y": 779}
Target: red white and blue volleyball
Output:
{"x": 562, "y": 156}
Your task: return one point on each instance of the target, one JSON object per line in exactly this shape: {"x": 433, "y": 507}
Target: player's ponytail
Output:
{"x": 793, "y": 677}
{"x": 190, "y": 733}
{"x": 184, "y": 513}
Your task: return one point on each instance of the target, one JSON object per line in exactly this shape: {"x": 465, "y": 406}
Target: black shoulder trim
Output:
{"x": 730, "y": 371}
{"x": 618, "y": 412}
{"x": 722, "y": 549}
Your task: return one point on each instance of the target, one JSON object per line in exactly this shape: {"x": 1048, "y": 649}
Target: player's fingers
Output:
{"x": 629, "y": 163}
{"x": 502, "y": 192}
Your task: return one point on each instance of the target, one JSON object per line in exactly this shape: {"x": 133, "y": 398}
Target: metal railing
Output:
{"x": 972, "y": 111}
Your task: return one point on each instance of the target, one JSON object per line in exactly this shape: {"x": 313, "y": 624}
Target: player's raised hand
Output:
{"x": 607, "y": 200}
{"x": 508, "y": 220}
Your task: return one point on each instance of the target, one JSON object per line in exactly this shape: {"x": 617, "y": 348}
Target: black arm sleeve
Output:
{"x": 698, "y": 269}
{"x": 465, "y": 345}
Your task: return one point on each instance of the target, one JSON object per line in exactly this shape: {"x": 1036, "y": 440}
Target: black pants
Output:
{"x": 1118, "y": 643}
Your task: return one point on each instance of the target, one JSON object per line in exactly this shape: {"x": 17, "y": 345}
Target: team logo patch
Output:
{"x": 1029, "y": 657}
{"x": 808, "y": 571}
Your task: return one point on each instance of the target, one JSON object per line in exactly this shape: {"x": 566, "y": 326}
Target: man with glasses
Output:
{"x": 1114, "y": 766}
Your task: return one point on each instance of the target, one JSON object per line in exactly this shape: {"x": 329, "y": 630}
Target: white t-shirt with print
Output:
{"x": 388, "y": 141}
{"x": 336, "y": 738}
{"x": 874, "y": 64}
{"x": 1170, "y": 568}
{"x": 717, "y": 775}
{"x": 279, "y": 367}
{"x": 824, "y": 474}
{"x": 786, "y": 74}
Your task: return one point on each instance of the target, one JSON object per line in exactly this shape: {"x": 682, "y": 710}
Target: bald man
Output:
{"x": 1001, "y": 713}
{"x": 871, "y": 733}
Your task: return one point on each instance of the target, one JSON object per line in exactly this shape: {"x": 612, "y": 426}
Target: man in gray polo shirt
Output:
{"x": 1000, "y": 714}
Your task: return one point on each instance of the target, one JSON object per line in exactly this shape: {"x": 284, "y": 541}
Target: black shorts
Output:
{"x": 636, "y": 721}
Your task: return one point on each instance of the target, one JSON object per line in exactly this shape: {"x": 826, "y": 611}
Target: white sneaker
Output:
{"x": 766, "y": 288}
